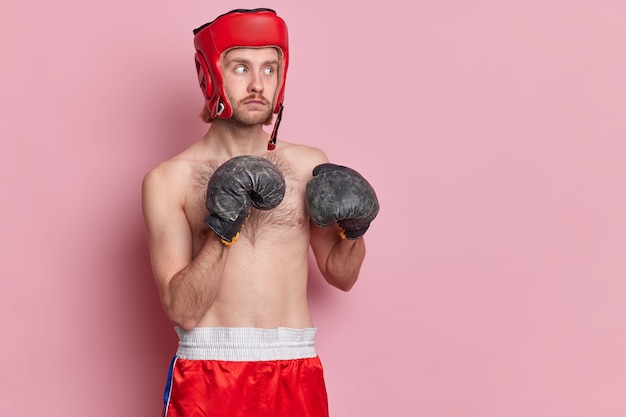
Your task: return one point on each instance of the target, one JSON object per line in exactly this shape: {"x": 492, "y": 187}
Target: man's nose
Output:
{"x": 256, "y": 84}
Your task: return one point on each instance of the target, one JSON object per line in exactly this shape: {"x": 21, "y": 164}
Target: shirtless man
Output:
{"x": 229, "y": 223}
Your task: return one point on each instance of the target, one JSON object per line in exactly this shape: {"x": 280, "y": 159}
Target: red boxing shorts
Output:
{"x": 245, "y": 372}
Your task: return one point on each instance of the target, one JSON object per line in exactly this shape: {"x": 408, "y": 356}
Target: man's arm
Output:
{"x": 342, "y": 204}
{"x": 339, "y": 260}
{"x": 187, "y": 286}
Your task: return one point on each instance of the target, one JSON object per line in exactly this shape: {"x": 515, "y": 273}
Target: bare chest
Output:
{"x": 288, "y": 217}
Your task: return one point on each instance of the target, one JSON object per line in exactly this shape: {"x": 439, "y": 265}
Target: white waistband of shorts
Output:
{"x": 245, "y": 343}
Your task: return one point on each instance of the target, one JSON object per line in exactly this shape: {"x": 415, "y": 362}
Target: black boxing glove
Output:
{"x": 237, "y": 185}
{"x": 337, "y": 194}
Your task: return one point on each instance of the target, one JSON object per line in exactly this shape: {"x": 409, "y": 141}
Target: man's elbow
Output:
{"x": 187, "y": 325}
{"x": 184, "y": 323}
{"x": 344, "y": 284}
{"x": 181, "y": 319}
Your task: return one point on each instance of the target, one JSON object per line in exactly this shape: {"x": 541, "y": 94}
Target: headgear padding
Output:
{"x": 257, "y": 28}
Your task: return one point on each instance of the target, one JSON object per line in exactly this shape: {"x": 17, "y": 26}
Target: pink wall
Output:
{"x": 494, "y": 134}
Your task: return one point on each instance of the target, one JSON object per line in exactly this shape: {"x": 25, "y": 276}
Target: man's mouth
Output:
{"x": 256, "y": 101}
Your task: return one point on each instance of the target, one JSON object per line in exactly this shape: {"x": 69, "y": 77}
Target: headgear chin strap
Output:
{"x": 254, "y": 28}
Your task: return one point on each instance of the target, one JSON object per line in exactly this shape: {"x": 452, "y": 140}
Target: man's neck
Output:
{"x": 229, "y": 138}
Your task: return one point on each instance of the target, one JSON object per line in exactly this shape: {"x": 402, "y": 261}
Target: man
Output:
{"x": 230, "y": 221}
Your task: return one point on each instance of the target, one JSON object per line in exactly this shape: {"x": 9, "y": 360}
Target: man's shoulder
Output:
{"x": 171, "y": 168}
{"x": 302, "y": 151}
{"x": 174, "y": 173}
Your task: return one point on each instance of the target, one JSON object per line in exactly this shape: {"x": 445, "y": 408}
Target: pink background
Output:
{"x": 492, "y": 131}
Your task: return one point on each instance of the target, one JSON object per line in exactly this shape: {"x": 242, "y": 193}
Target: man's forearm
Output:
{"x": 344, "y": 263}
{"x": 191, "y": 292}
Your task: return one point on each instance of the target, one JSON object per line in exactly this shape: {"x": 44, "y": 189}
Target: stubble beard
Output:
{"x": 251, "y": 118}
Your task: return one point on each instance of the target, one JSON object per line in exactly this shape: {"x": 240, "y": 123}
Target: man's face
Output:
{"x": 250, "y": 80}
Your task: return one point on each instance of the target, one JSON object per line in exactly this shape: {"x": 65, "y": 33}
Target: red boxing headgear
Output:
{"x": 256, "y": 28}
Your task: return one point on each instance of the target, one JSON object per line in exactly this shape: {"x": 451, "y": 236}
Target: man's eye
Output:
{"x": 240, "y": 69}
{"x": 269, "y": 71}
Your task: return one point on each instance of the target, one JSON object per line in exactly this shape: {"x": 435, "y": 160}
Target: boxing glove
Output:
{"x": 237, "y": 185}
{"x": 337, "y": 194}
